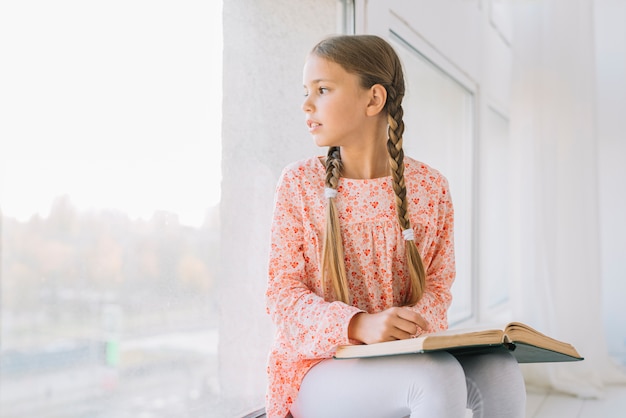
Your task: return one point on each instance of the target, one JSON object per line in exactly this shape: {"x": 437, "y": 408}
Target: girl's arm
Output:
{"x": 440, "y": 272}
{"x": 310, "y": 326}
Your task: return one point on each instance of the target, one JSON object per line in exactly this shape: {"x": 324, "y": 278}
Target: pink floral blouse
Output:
{"x": 308, "y": 327}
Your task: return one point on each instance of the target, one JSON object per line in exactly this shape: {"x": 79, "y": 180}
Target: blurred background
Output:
{"x": 110, "y": 164}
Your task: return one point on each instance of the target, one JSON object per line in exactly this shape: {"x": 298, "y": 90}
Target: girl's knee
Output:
{"x": 444, "y": 394}
{"x": 488, "y": 365}
{"x": 447, "y": 370}
{"x": 506, "y": 366}
{"x": 439, "y": 376}
{"x": 438, "y": 370}
{"x": 495, "y": 385}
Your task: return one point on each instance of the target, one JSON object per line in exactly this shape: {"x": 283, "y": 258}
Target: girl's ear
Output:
{"x": 378, "y": 98}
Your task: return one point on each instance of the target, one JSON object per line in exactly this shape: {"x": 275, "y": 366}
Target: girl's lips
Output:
{"x": 312, "y": 125}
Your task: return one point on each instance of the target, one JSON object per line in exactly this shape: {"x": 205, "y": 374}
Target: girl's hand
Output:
{"x": 395, "y": 323}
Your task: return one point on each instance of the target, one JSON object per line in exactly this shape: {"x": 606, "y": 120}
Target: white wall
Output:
{"x": 610, "y": 44}
{"x": 265, "y": 44}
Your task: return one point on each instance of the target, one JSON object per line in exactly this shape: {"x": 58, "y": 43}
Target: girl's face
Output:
{"x": 335, "y": 103}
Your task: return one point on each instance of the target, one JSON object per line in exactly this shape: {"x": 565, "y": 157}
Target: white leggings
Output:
{"x": 426, "y": 385}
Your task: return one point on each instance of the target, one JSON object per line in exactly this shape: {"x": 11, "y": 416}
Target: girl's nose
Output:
{"x": 307, "y": 105}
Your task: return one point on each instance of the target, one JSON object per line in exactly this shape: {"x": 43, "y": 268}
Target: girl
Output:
{"x": 362, "y": 252}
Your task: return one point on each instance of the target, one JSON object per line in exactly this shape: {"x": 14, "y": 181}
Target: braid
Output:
{"x": 396, "y": 157}
{"x": 333, "y": 167}
{"x": 333, "y": 267}
{"x": 396, "y": 163}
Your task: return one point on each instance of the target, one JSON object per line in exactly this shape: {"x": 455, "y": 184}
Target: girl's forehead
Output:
{"x": 317, "y": 69}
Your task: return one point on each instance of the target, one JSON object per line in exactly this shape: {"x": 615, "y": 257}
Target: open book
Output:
{"x": 524, "y": 342}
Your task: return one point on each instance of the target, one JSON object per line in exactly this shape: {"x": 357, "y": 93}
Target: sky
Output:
{"x": 115, "y": 103}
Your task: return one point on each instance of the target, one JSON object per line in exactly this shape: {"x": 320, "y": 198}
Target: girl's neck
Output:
{"x": 365, "y": 162}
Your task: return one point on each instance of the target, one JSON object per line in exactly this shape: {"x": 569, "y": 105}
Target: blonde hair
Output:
{"x": 374, "y": 61}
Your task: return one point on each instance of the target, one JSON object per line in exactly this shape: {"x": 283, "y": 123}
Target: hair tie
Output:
{"x": 408, "y": 234}
{"x": 330, "y": 193}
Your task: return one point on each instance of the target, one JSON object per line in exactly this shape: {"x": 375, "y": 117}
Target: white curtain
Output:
{"x": 558, "y": 279}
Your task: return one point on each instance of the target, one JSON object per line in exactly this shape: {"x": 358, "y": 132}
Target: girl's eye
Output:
{"x": 320, "y": 90}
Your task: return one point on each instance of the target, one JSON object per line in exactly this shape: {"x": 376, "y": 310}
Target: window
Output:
{"x": 495, "y": 218}
{"x": 439, "y": 118}
{"x": 110, "y": 162}
{"x": 458, "y": 75}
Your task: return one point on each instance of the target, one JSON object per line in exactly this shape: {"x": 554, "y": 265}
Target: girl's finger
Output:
{"x": 414, "y": 317}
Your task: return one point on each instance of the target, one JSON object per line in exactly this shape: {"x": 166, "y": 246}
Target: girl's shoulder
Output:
{"x": 305, "y": 168}
{"x": 417, "y": 169}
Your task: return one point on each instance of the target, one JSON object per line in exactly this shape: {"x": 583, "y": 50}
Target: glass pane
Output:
{"x": 439, "y": 114}
{"x": 494, "y": 221}
{"x": 110, "y": 185}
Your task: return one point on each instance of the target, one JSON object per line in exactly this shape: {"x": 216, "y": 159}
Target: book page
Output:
{"x": 519, "y": 332}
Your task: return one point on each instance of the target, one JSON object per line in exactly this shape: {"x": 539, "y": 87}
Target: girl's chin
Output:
{"x": 320, "y": 142}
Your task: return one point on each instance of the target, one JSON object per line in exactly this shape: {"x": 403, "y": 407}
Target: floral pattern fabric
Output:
{"x": 309, "y": 328}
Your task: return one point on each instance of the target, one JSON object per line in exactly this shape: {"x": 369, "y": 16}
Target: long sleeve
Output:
{"x": 310, "y": 326}
{"x": 440, "y": 269}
